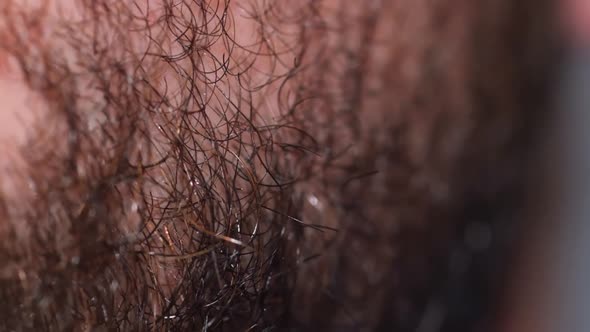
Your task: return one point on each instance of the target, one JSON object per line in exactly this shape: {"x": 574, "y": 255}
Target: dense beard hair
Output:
{"x": 181, "y": 180}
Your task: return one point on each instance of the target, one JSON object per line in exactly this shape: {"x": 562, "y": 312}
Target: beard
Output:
{"x": 224, "y": 166}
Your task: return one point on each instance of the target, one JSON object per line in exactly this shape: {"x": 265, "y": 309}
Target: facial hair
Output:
{"x": 322, "y": 169}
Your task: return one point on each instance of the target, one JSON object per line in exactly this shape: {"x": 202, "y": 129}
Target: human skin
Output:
{"x": 575, "y": 21}
{"x": 316, "y": 165}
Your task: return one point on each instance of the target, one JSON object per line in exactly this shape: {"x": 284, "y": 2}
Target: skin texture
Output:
{"x": 317, "y": 165}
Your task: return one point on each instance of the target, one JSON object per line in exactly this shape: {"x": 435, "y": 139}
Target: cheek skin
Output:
{"x": 20, "y": 107}
{"x": 22, "y": 110}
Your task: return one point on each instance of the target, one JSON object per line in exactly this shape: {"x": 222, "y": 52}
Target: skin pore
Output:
{"x": 251, "y": 165}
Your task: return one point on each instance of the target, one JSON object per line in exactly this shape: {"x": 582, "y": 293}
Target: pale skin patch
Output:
{"x": 20, "y": 107}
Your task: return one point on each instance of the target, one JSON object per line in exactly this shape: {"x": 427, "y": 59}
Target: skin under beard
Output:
{"x": 213, "y": 165}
